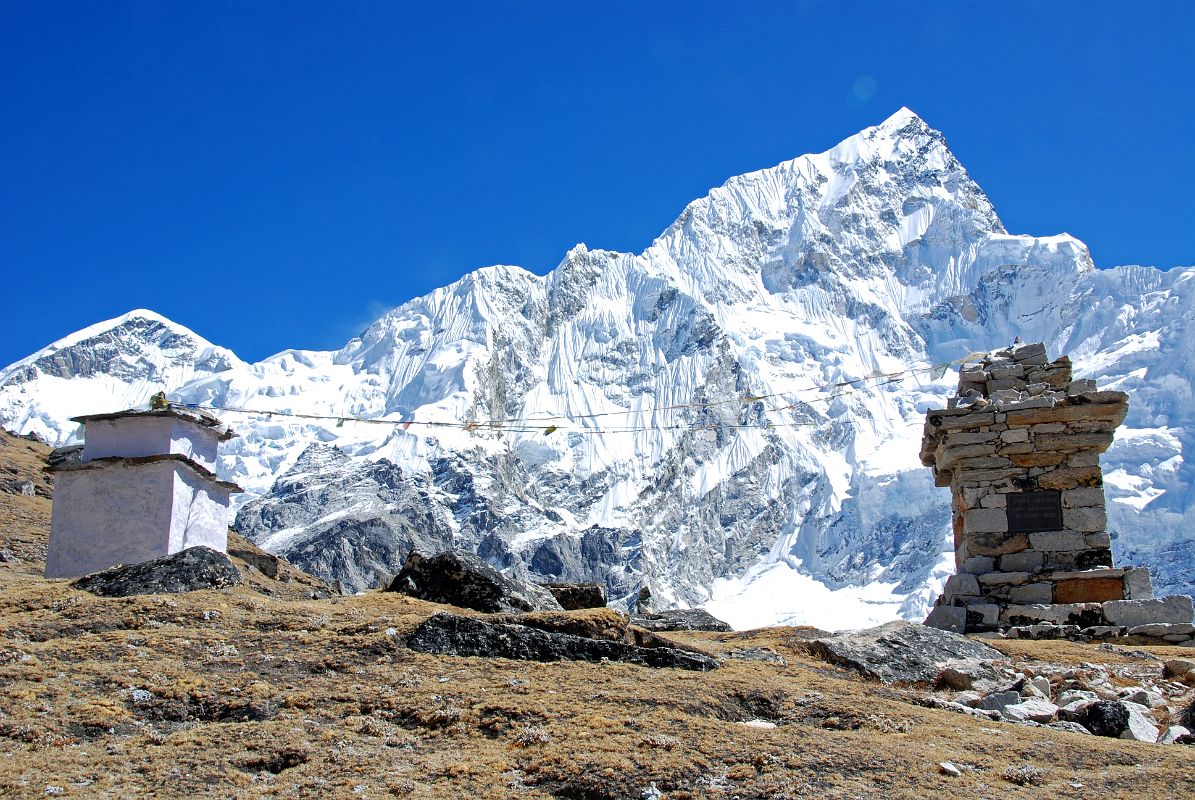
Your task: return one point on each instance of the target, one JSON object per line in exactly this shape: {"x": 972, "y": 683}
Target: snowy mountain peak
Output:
{"x": 731, "y": 416}
{"x": 108, "y": 366}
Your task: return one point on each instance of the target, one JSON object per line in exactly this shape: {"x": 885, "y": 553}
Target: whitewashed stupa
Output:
{"x": 144, "y": 486}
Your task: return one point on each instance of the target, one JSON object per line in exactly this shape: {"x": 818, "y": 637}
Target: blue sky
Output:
{"x": 276, "y": 175}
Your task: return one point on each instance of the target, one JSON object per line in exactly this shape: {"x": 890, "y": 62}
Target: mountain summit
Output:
{"x": 730, "y": 417}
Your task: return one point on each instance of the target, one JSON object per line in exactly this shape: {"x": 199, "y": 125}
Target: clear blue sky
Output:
{"x": 309, "y": 165}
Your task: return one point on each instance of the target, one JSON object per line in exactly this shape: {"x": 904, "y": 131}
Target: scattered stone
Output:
{"x": 948, "y": 768}
{"x": 998, "y": 701}
{"x": 1173, "y": 734}
{"x": 25, "y": 487}
{"x": 764, "y": 654}
{"x": 900, "y": 652}
{"x": 1178, "y": 667}
{"x": 1070, "y": 727}
{"x": 1068, "y": 696}
{"x": 574, "y": 596}
{"x": 950, "y": 705}
{"x": 758, "y": 723}
{"x": 449, "y": 634}
{"x": 1024, "y": 775}
{"x": 681, "y": 619}
{"x": 1145, "y": 697}
{"x": 186, "y": 571}
{"x": 464, "y": 580}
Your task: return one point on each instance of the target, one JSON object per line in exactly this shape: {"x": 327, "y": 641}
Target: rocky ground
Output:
{"x": 275, "y": 688}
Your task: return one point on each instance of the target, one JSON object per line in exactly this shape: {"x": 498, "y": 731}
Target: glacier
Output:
{"x": 677, "y": 417}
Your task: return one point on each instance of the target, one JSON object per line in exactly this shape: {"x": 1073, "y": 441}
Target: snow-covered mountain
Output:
{"x": 672, "y": 417}
{"x": 110, "y": 365}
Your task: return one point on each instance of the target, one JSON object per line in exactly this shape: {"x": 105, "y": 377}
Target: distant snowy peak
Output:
{"x": 111, "y": 365}
{"x": 136, "y": 345}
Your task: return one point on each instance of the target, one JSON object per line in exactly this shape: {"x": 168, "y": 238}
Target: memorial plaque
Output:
{"x": 1029, "y": 512}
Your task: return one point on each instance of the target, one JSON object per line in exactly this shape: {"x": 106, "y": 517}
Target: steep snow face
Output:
{"x": 108, "y": 366}
{"x": 682, "y": 417}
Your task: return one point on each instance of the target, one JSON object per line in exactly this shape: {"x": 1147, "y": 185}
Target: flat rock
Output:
{"x": 900, "y": 652}
{"x": 1035, "y": 709}
{"x": 1131, "y": 613}
{"x": 449, "y": 634}
{"x": 185, "y": 571}
{"x": 680, "y": 619}
{"x": 464, "y": 580}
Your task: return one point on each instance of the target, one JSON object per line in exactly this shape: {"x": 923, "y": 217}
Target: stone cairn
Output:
{"x": 1019, "y": 446}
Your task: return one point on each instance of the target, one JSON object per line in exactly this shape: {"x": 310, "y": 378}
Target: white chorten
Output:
{"x": 144, "y": 486}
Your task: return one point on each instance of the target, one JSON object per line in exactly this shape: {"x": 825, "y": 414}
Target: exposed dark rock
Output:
{"x": 604, "y": 623}
{"x": 764, "y": 654}
{"x": 643, "y": 602}
{"x": 900, "y": 652}
{"x": 573, "y": 596}
{"x": 690, "y": 619}
{"x": 62, "y": 456}
{"x": 21, "y": 487}
{"x": 358, "y": 521}
{"x": 464, "y": 580}
{"x": 448, "y": 634}
{"x": 186, "y": 571}
{"x": 1106, "y": 718}
{"x": 265, "y": 563}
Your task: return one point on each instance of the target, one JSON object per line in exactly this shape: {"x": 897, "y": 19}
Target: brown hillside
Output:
{"x": 239, "y": 693}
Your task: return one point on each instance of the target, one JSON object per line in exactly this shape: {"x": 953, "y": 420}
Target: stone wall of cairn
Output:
{"x": 1019, "y": 446}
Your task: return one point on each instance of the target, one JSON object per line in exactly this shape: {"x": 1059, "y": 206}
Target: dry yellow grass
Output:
{"x": 238, "y": 694}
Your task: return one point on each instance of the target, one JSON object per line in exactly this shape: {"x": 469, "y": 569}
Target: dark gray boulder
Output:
{"x": 900, "y": 652}
{"x": 186, "y": 571}
{"x": 449, "y": 634}
{"x": 575, "y": 596}
{"x": 1106, "y": 718}
{"x": 464, "y": 580}
{"x": 680, "y": 619}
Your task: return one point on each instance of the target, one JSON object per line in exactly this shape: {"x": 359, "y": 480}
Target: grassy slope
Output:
{"x": 279, "y": 696}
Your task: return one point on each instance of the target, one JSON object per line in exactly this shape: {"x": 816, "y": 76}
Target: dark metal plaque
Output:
{"x": 1034, "y": 511}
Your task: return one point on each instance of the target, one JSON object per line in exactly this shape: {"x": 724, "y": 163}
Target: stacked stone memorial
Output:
{"x": 1019, "y": 446}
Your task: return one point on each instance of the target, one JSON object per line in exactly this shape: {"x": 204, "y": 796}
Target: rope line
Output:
{"x": 528, "y": 424}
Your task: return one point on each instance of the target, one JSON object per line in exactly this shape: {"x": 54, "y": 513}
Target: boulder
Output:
{"x": 449, "y": 634}
{"x": 1178, "y": 667}
{"x": 900, "y": 652}
{"x": 1106, "y": 718}
{"x": 464, "y": 580}
{"x": 575, "y": 596}
{"x": 948, "y": 618}
{"x": 680, "y": 619}
{"x": 185, "y": 571}
{"x": 1140, "y": 728}
{"x": 1035, "y": 709}
{"x": 1173, "y": 734}
{"x": 998, "y": 701}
